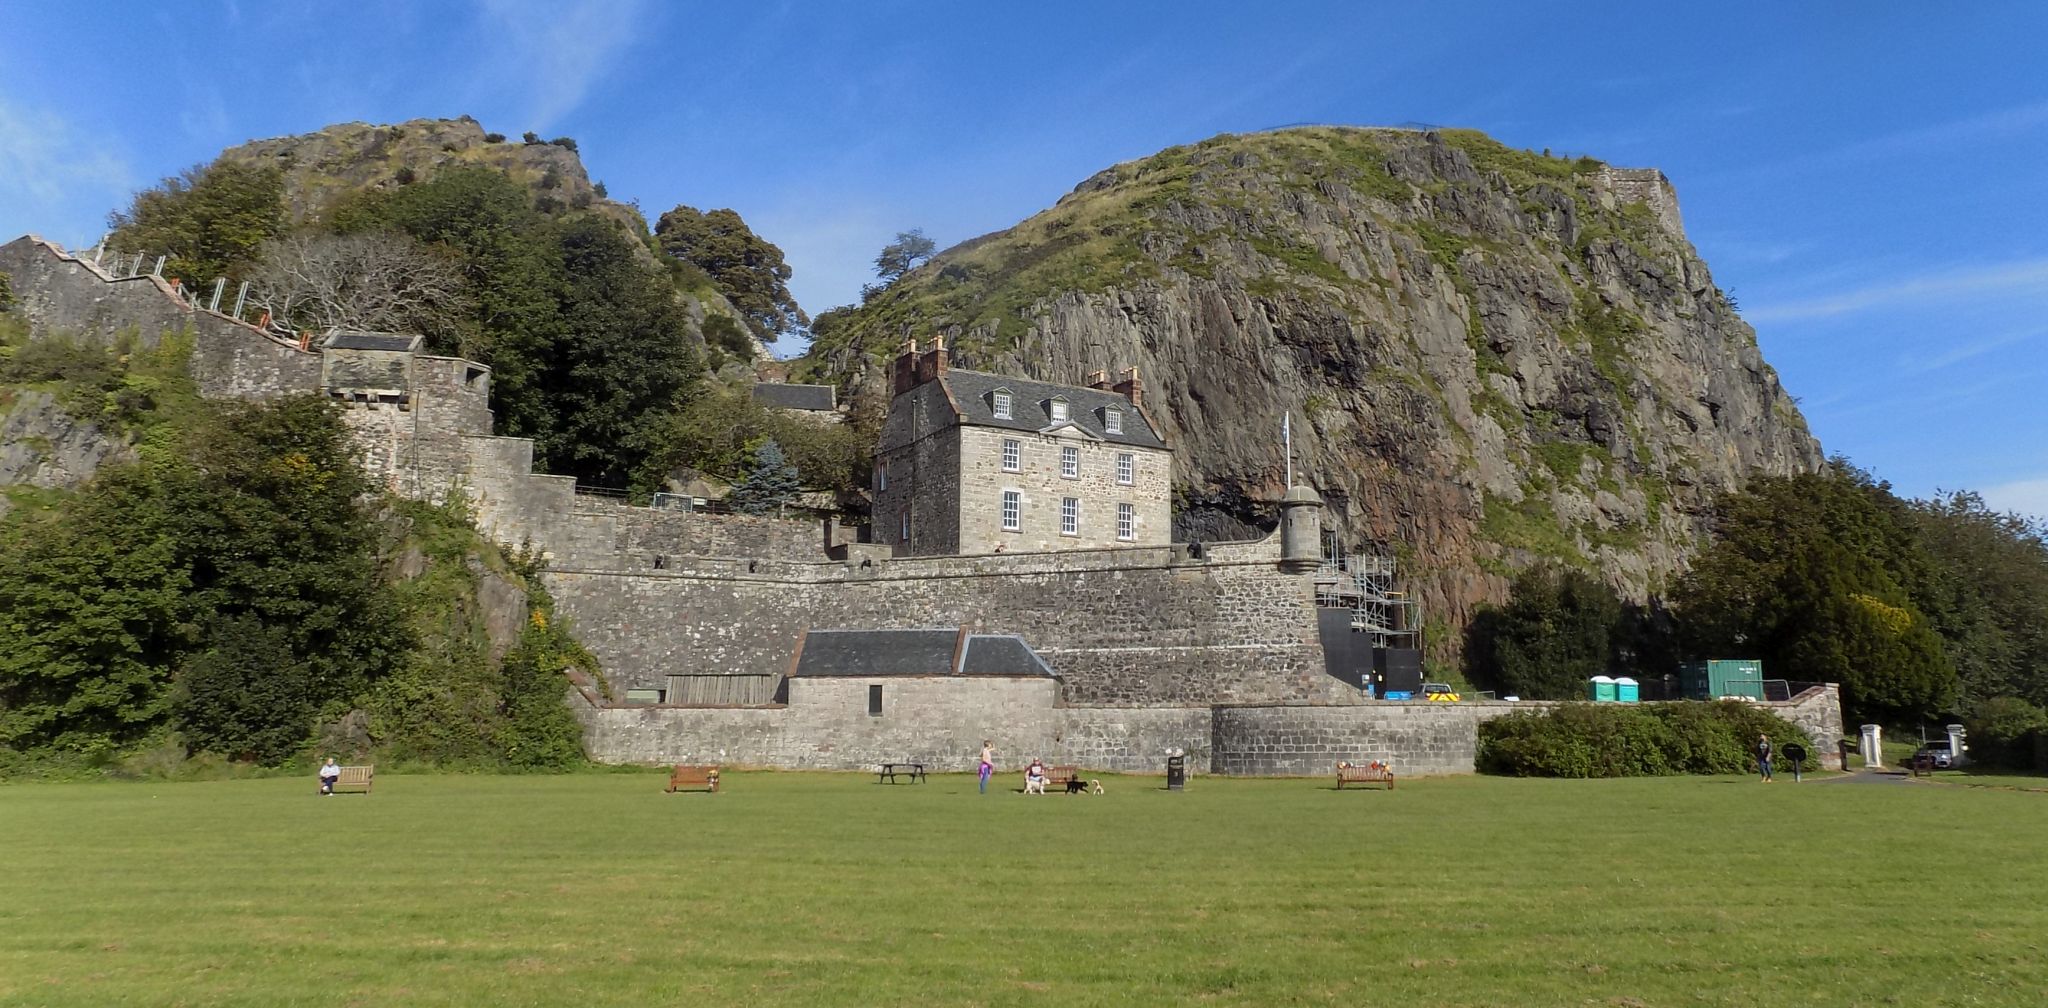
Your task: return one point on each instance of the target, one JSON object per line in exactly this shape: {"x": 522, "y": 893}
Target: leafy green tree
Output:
{"x": 770, "y": 485}
{"x": 1816, "y": 575}
{"x": 903, "y": 255}
{"x": 1557, "y": 630}
{"x": 239, "y": 550}
{"x": 747, "y": 269}
{"x": 210, "y": 221}
{"x": 625, "y": 361}
{"x": 1991, "y": 581}
{"x": 2004, "y": 730}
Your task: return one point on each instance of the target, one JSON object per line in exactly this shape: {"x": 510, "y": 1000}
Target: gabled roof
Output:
{"x": 971, "y": 391}
{"x": 801, "y": 397}
{"x": 350, "y": 340}
{"x": 943, "y": 651}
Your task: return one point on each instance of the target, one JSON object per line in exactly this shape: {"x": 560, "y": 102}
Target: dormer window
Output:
{"x": 1058, "y": 407}
{"x": 999, "y": 400}
{"x": 1113, "y": 421}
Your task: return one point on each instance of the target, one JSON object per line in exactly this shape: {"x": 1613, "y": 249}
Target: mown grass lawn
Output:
{"x": 828, "y": 889}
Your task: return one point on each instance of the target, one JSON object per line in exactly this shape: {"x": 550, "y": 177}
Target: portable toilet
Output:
{"x": 1722, "y": 677}
{"x": 1600, "y": 689}
{"x": 1625, "y": 690}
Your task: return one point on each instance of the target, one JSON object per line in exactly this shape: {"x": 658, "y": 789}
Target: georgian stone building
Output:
{"x": 973, "y": 463}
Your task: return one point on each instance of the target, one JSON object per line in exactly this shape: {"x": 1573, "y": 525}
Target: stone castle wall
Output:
{"x": 1131, "y": 626}
{"x": 1250, "y": 740}
{"x": 64, "y": 294}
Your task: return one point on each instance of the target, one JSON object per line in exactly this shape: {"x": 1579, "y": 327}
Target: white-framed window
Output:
{"x": 1126, "y": 522}
{"x": 1126, "y": 468}
{"x": 906, "y": 526}
{"x": 1013, "y": 455}
{"x": 1070, "y": 516}
{"x": 1113, "y": 421}
{"x": 1070, "y": 463}
{"x": 1059, "y": 410}
{"x": 1013, "y": 510}
{"x": 1000, "y": 402}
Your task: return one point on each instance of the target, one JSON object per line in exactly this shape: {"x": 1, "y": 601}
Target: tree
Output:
{"x": 624, "y": 363}
{"x": 1991, "y": 574}
{"x": 209, "y": 221}
{"x": 236, "y": 562}
{"x": 1822, "y": 577}
{"x": 380, "y": 282}
{"x": 1557, "y": 630}
{"x": 746, "y": 269}
{"x": 771, "y": 484}
{"x": 903, "y": 255}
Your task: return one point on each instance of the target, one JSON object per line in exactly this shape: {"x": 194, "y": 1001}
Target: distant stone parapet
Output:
{"x": 1647, "y": 186}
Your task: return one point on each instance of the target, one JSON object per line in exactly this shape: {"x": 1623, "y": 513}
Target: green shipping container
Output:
{"x": 1723, "y": 677}
{"x": 1600, "y": 689}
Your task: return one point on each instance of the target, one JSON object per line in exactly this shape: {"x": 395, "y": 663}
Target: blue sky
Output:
{"x": 1865, "y": 178}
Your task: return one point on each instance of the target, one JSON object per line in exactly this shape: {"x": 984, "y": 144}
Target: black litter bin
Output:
{"x": 1176, "y": 773}
{"x": 1795, "y": 754}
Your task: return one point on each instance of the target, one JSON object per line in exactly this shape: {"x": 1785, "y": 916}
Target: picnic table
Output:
{"x": 888, "y": 772}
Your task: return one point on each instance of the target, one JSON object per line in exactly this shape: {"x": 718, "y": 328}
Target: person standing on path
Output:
{"x": 988, "y": 763}
{"x": 1763, "y": 756}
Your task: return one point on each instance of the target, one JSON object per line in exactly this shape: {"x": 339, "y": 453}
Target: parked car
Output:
{"x": 1936, "y": 751}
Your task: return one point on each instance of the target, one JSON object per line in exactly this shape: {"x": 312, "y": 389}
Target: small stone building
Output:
{"x": 973, "y": 463}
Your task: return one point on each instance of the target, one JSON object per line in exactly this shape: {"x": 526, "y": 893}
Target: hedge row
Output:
{"x": 1635, "y": 740}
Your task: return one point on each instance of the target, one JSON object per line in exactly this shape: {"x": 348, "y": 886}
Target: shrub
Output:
{"x": 494, "y": 138}
{"x": 564, "y": 142}
{"x": 530, "y": 137}
{"x": 2004, "y": 731}
{"x": 1624, "y": 740}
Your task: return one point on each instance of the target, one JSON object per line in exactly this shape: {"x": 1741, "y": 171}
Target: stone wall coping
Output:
{"x": 888, "y": 570}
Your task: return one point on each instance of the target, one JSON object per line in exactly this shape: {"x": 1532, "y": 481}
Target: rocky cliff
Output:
{"x": 1490, "y": 356}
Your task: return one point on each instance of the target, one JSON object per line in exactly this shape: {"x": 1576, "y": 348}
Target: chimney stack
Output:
{"x": 1129, "y": 387}
{"x": 905, "y": 372}
{"x": 1098, "y": 380}
{"x": 932, "y": 366}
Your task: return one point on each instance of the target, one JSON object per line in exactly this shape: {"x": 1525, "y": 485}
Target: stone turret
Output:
{"x": 1301, "y": 530}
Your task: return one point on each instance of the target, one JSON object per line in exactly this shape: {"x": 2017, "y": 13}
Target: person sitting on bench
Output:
{"x": 330, "y": 772}
{"x": 1034, "y": 778}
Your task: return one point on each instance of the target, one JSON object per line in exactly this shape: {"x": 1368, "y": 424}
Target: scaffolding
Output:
{"x": 1365, "y": 585}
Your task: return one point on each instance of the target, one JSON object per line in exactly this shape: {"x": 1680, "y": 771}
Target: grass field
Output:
{"x": 824, "y": 889}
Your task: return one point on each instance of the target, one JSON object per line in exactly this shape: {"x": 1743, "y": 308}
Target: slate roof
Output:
{"x": 802, "y": 397}
{"x": 1028, "y": 411}
{"x": 402, "y": 342}
{"x": 925, "y": 652}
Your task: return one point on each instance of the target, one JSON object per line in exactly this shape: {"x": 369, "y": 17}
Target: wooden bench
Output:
{"x": 1068, "y": 779}
{"x": 693, "y": 778}
{"x": 354, "y": 778}
{"x": 1375, "y": 772}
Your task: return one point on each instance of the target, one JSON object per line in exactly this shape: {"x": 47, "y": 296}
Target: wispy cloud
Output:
{"x": 2027, "y": 496}
{"x": 45, "y": 166}
{"x": 556, "y": 52}
{"x": 2018, "y": 278}
{"x": 1996, "y": 123}
{"x": 1971, "y": 350}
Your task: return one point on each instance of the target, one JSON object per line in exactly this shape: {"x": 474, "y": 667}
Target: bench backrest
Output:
{"x": 1062, "y": 774}
{"x": 355, "y": 775}
{"x": 692, "y": 774}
